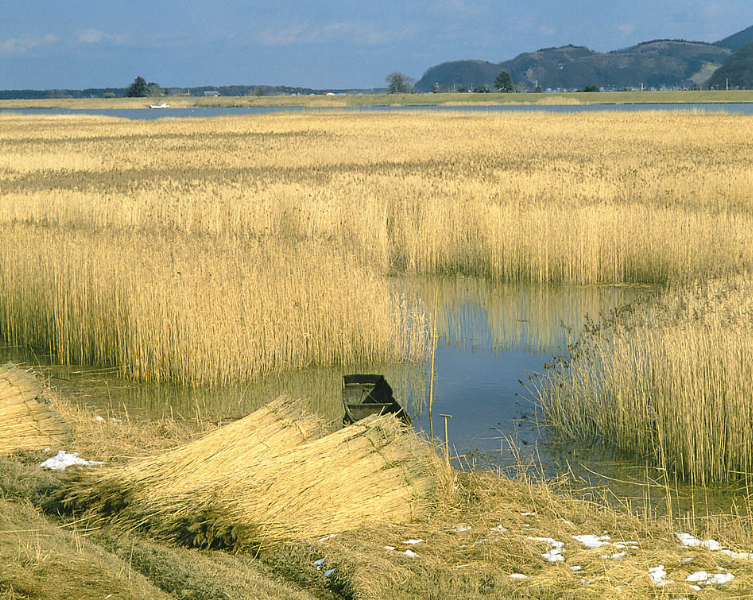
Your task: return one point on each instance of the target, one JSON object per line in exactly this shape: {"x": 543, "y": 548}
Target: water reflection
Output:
{"x": 490, "y": 338}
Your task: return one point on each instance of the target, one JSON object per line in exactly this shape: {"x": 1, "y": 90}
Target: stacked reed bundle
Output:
{"x": 26, "y": 419}
{"x": 262, "y": 479}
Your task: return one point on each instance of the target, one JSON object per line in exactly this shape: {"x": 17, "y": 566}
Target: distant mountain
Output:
{"x": 658, "y": 63}
{"x": 737, "y": 40}
{"x": 737, "y": 72}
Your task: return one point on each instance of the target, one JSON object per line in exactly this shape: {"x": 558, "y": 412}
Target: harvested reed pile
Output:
{"x": 26, "y": 418}
{"x": 258, "y": 480}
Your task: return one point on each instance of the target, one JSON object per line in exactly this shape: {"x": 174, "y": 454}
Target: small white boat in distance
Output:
{"x": 163, "y": 105}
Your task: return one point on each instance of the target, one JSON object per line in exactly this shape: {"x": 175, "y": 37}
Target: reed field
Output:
{"x": 218, "y": 251}
{"x": 672, "y": 384}
{"x": 212, "y": 251}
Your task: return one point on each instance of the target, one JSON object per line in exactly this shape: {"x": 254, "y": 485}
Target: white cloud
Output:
{"x": 547, "y": 30}
{"x": 342, "y": 31}
{"x": 94, "y": 36}
{"x": 25, "y": 43}
{"x": 626, "y": 29}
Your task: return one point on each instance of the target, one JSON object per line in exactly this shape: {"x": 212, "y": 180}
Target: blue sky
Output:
{"x": 47, "y": 44}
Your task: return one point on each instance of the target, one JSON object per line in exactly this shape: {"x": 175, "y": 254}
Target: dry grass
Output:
{"x": 671, "y": 381}
{"x": 464, "y": 553}
{"x": 262, "y": 478}
{"x": 27, "y": 419}
{"x": 219, "y": 250}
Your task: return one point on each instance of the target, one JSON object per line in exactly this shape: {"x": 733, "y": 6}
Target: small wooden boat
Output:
{"x": 365, "y": 395}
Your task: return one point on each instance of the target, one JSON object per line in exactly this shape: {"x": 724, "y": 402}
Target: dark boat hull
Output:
{"x": 366, "y": 395}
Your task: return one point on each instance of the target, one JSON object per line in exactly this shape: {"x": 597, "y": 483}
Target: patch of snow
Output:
{"x": 591, "y": 541}
{"x": 720, "y": 579}
{"x": 576, "y": 568}
{"x": 618, "y": 556}
{"x": 481, "y": 541}
{"x": 697, "y": 588}
{"x": 411, "y": 542}
{"x": 498, "y": 529}
{"x": 318, "y": 564}
{"x": 555, "y": 554}
{"x": 410, "y": 553}
{"x": 690, "y": 540}
{"x": 328, "y": 572}
{"x": 389, "y": 547}
{"x": 328, "y": 537}
{"x": 733, "y": 554}
{"x": 528, "y": 514}
{"x": 658, "y": 576}
{"x": 687, "y": 559}
{"x": 517, "y": 576}
{"x": 461, "y": 528}
{"x": 98, "y": 418}
{"x": 705, "y": 578}
{"x": 62, "y": 460}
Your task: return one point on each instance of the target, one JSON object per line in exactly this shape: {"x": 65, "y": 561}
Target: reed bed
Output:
{"x": 214, "y": 251}
{"x": 27, "y": 420}
{"x": 263, "y": 479}
{"x": 671, "y": 383}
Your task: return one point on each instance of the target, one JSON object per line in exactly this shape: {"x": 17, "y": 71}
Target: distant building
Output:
{"x": 211, "y": 93}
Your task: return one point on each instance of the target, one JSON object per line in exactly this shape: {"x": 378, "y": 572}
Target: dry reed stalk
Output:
{"x": 240, "y": 486}
{"x": 671, "y": 382}
{"x": 27, "y": 420}
{"x": 203, "y": 259}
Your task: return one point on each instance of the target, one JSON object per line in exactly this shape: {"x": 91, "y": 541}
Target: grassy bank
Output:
{"x": 366, "y": 100}
{"x": 481, "y": 530}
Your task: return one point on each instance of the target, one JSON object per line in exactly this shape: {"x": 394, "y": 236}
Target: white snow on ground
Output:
{"x": 461, "y": 528}
{"x": 733, "y": 554}
{"x": 328, "y": 572}
{"x": 690, "y": 540}
{"x": 518, "y": 576}
{"x": 659, "y": 576}
{"x": 528, "y": 514}
{"x": 705, "y": 578}
{"x": 416, "y": 541}
{"x": 498, "y": 529}
{"x": 592, "y": 541}
{"x": 555, "y": 554}
{"x": 389, "y": 547}
{"x": 410, "y": 553}
{"x": 62, "y": 460}
{"x": 618, "y": 556}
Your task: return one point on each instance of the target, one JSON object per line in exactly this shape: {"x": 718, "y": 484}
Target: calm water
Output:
{"x": 491, "y": 337}
{"x": 146, "y": 113}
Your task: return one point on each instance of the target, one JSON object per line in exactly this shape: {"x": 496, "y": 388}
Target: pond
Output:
{"x": 150, "y": 114}
{"x": 490, "y": 339}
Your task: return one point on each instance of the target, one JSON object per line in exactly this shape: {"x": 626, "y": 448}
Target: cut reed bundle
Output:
{"x": 256, "y": 481}
{"x": 26, "y": 419}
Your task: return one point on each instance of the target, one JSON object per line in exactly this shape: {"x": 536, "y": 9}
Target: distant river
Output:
{"x": 146, "y": 113}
